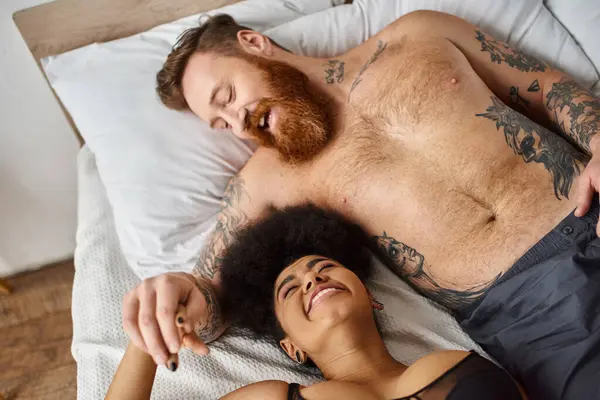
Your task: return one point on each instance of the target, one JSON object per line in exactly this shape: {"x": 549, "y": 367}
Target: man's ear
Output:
{"x": 292, "y": 351}
{"x": 255, "y": 43}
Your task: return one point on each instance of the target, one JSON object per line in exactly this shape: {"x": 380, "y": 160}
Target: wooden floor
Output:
{"x": 35, "y": 336}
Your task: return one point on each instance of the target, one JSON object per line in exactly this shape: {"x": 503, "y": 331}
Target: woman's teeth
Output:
{"x": 261, "y": 122}
{"x": 321, "y": 294}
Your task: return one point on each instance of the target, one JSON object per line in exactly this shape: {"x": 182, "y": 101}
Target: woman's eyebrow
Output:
{"x": 286, "y": 280}
{"x": 314, "y": 262}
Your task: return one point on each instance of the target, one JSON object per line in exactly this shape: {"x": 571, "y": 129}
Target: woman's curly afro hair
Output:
{"x": 260, "y": 252}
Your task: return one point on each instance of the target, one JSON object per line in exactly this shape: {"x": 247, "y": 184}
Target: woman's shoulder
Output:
{"x": 267, "y": 390}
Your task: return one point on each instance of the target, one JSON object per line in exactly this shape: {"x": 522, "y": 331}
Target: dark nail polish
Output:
{"x": 180, "y": 320}
{"x": 173, "y": 366}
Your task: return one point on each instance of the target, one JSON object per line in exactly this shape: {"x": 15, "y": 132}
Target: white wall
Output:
{"x": 37, "y": 158}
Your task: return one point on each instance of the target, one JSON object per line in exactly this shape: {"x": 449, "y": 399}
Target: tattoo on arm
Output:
{"x": 535, "y": 143}
{"x": 380, "y": 48}
{"x": 214, "y": 325}
{"x": 574, "y": 111}
{"x": 410, "y": 265}
{"x": 500, "y": 52}
{"x": 334, "y": 71}
{"x": 229, "y": 221}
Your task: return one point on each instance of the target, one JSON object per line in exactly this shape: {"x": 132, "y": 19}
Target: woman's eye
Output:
{"x": 289, "y": 291}
{"x": 326, "y": 266}
{"x": 230, "y": 98}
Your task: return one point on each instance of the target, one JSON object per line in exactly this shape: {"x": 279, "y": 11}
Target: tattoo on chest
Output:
{"x": 500, "y": 52}
{"x": 229, "y": 221}
{"x": 334, "y": 71}
{"x": 534, "y": 87}
{"x": 380, "y": 48}
{"x": 583, "y": 111}
{"x": 519, "y": 103}
{"x": 535, "y": 143}
{"x": 410, "y": 265}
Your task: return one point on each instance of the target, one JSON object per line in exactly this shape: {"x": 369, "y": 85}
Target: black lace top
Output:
{"x": 474, "y": 377}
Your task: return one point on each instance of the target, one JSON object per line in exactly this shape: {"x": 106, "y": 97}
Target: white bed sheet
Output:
{"x": 412, "y": 326}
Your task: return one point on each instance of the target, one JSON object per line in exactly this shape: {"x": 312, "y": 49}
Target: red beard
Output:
{"x": 303, "y": 126}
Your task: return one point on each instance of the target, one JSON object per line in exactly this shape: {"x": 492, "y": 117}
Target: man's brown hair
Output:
{"x": 218, "y": 35}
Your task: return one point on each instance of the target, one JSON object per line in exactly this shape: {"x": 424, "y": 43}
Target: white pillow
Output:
{"x": 527, "y": 25}
{"x": 582, "y": 19}
{"x": 165, "y": 171}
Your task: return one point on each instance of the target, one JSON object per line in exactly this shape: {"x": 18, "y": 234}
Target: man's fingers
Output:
{"x": 191, "y": 341}
{"x": 131, "y": 306}
{"x": 149, "y": 327}
{"x": 584, "y": 196}
{"x": 167, "y": 300}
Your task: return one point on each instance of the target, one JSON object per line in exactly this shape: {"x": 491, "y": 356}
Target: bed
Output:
{"x": 115, "y": 250}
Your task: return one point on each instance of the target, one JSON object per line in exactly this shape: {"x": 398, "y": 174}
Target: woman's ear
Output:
{"x": 375, "y": 304}
{"x": 254, "y": 42}
{"x": 292, "y": 351}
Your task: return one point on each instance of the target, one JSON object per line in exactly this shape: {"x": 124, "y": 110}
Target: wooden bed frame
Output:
{"x": 63, "y": 25}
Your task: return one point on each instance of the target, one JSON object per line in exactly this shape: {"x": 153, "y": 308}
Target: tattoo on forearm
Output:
{"x": 535, "y": 143}
{"x": 380, "y": 48}
{"x": 534, "y": 87}
{"x": 334, "y": 71}
{"x": 517, "y": 102}
{"x": 229, "y": 221}
{"x": 410, "y": 265}
{"x": 582, "y": 118}
{"x": 214, "y": 326}
{"x": 500, "y": 52}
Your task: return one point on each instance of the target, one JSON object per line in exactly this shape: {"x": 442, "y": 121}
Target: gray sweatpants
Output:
{"x": 541, "y": 321}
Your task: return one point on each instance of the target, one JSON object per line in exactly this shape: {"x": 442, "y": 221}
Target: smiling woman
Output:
{"x": 297, "y": 279}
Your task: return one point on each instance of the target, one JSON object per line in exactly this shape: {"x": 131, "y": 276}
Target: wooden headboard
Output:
{"x": 63, "y": 25}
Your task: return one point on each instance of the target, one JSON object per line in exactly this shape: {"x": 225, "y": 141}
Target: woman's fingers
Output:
{"x": 131, "y": 306}
{"x": 149, "y": 325}
{"x": 167, "y": 300}
{"x": 191, "y": 341}
{"x": 585, "y": 195}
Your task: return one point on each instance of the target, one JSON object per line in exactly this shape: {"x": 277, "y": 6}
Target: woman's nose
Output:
{"x": 313, "y": 280}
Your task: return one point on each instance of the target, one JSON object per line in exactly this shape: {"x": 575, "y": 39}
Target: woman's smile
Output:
{"x": 321, "y": 293}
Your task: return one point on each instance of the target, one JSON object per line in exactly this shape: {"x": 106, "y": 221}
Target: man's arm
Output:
{"x": 243, "y": 201}
{"x": 523, "y": 82}
{"x": 150, "y": 310}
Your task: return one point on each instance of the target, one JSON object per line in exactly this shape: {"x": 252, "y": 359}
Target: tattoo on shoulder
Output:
{"x": 410, "y": 265}
{"x": 334, "y": 71}
{"x": 380, "y": 48}
{"x": 500, "y": 52}
{"x": 583, "y": 111}
{"x": 535, "y": 143}
{"x": 229, "y": 221}
{"x": 213, "y": 327}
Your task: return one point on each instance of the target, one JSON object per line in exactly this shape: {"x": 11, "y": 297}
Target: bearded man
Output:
{"x": 431, "y": 136}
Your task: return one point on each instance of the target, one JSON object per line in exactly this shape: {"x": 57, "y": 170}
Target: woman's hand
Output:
{"x": 150, "y": 313}
{"x": 589, "y": 182}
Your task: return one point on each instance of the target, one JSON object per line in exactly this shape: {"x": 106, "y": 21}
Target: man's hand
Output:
{"x": 589, "y": 181}
{"x": 150, "y": 312}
